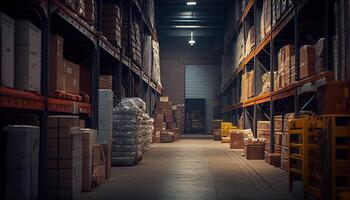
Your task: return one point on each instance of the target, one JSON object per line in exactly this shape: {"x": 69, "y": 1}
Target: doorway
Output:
{"x": 195, "y": 116}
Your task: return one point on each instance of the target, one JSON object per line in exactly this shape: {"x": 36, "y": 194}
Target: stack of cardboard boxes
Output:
{"x": 28, "y": 48}
{"x": 22, "y": 161}
{"x": 64, "y": 157}
{"x": 286, "y": 66}
{"x": 282, "y": 124}
{"x": 98, "y": 166}
{"x": 64, "y": 75}
{"x": 164, "y": 125}
{"x": 7, "y": 28}
{"x": 111, "y": 23}
{"x": 216, "y": 127}
{"x": 105, "y": 125}
{"x": 180, "y": 119}
{"x": 20, "y": 39}
{"x": 263, "y": 128}
{"x": 311, "y": 63}
{"x": 247, "y": 85}
{"x": 88, "y": 141}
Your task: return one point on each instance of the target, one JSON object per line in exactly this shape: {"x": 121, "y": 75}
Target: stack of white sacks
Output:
{"x": 132, "y": 132}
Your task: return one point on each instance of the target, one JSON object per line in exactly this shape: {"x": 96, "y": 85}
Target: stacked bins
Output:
{"x": 105, "y": 125}
{"x": 88, "y": 141}
{"x": 22, "y": 162}
{"x": 28, "y": 48}
{"x": 127, "y": 138}
{"x": 64, "y": 157}
{"x": 111, "y": 23}
{"x": 7, "y": 28}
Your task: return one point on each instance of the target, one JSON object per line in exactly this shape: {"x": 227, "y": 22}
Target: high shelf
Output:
{"x": 84, "y": 44}
{"x": 288, "y": 29}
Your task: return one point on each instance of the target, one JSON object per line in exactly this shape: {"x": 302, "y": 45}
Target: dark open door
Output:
{"x": 195, "y": 116}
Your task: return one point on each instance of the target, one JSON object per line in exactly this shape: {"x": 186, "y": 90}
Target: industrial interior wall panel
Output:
{"x": 173, "y": 79}
{"x": 202, "y": 82}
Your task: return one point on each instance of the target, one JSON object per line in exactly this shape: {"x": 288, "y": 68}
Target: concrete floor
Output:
{"x": 195, "y": 170}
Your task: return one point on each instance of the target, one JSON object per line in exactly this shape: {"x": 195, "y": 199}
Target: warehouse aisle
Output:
{"x": 194, "y": 169}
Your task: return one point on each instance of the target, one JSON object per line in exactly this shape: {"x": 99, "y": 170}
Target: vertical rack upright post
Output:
{"x": 45, "y": 45}
{"x": 272, "y": 84}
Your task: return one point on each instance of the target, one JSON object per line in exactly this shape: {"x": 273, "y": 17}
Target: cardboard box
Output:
{"x": 236, "y": 139}
{"x": 22, "y": 162}
{"x": 307, "y": 61}
{"x": 263, "y": 125}
{"x": 88, "y": 140}
{"x": 254, "y": 151}
{"x": 334, "y": 98}
{"x": 57, "y": 75}
{"x": 284, "y": 54}
{"x": 72, "y": 77}
{"x": 7, "y": 28}
{"x": 106, "y": 82}
{"x": 65, "y": 154}
{"x": 251, "y": 84}
{"x": 28, "y": 49}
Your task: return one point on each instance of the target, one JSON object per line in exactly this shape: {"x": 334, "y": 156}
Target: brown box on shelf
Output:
{"x": 273, "y": 159}
{"x": 106, "y": 82}
{"x": 236, "y": 140}
{"x": 334, "y": 98}
{"x": 251, "y": 84}
{"x": 307, "y": 61}
{"x": 278, "y": 123}
{"x": 56, "y": 80}
{"x": 278, "y": 138}
{"x": 284, "y": 54}
{"x": 254, "y": 151}
{"x": 263, "y": 125}
{"x": 72, "y": 77}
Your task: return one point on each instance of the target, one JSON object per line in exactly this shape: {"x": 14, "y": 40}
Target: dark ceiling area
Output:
{"x": 177, "y": 19}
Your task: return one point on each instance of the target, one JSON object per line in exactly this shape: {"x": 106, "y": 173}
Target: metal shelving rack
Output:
{"x": 264, "y": 106}
{"x": 55, "y": 13}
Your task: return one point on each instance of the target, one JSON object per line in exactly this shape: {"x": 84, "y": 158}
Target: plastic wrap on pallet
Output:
{"x": 132, "y": 132}
{"x": 156, "y": 62}
{"x": 147, "y": 55}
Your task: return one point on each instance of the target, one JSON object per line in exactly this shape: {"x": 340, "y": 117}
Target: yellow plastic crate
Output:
{"x": 225, "y": 129}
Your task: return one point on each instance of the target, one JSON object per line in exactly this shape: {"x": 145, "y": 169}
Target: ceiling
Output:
{"x": 176, "y": 19}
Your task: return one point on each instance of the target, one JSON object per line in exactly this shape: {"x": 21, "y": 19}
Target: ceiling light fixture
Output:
{"x": 191, "y": 3}
{"x": 191, "y": 41}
